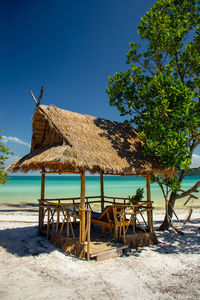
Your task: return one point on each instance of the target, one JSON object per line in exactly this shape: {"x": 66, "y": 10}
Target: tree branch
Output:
{"x": 184, "y": 173}
{"x": 178, "y": 67}
{"x": 191, "y": 170}
{"x": 161, "y": 186}
{"x": 148, "y": 69}
{"x": 165, "y": 58}
{"x": 188, "y": 192}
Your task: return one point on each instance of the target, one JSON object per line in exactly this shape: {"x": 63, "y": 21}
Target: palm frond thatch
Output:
{"x": 64, "y": 140}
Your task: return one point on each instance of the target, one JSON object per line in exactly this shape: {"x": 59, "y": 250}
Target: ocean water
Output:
{"x": 21, "y": 189}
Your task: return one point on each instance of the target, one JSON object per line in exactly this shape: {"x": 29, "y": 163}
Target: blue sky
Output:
{"x": 70, "y": 47}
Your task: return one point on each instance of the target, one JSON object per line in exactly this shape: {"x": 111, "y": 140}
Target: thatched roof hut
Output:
{"x": 68, "y": 141}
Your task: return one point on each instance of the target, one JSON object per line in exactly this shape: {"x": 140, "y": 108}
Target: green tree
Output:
{"x": 159, "y": 92}
{"x": 4, "y": 152}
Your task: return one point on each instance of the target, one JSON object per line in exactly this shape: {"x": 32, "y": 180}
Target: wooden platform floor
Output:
{"x": 97, "y": 242}
{"x": 101, "y": 246}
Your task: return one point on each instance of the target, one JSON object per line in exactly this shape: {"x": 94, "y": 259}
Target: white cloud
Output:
{"x": 14, "y": 139}
{"x": 11, "y": 159}
{"x": 195, "y": 161}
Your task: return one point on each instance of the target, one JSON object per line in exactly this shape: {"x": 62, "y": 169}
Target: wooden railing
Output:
{"x": 57, "y": 216}
{"x": 89, "y": 200}
{"x": 63, "y": 213}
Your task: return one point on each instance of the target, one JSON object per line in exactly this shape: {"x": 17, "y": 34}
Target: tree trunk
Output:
{"x": 165, "y": 224}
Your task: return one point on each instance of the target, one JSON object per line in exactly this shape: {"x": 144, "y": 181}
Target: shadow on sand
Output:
{"x": 24, "y": 241}
{"x": 171, "y": 242}
{"x": 24, "y": 207}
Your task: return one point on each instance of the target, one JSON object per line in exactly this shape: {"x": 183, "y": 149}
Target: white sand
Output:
{"x": 32, "y": 268}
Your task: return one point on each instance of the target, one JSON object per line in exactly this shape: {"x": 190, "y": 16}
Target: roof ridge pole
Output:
{"x": 41, "y": 93}
{"x": 40, "y": 97}
{"x": 149, "y": 204}
{"x": 33, "y": 97}
{"x": 82, "y": 211}
{"x": 102, "y": 190}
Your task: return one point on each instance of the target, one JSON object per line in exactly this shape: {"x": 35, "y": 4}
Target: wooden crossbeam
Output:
{"x": 143, "y": 219}
{"x": 140, "y": 224}
{"x": 61, "y": 229}
{"x": 72, "y": 230}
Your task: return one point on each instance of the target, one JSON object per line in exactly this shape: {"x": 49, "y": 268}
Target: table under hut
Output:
{"x": 65, "y": 142}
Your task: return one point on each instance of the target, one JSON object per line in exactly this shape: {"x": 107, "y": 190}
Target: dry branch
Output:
{"x": 191, "y": 170}
{"x": 191, "y": 190}
{"x": 188, "y": 217}
{"x": 33, "y": 97}
{"x": 174, "y": 227}
{"x": 41, "y": 93}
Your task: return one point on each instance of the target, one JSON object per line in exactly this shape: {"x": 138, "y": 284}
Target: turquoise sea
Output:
{"x": 20, "y": 189}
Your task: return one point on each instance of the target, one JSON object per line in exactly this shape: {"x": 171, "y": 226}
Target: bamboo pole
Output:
{"x": 48, "y": 221}
{"x": 121, "y": 218}
{"x": 102, "y": 190}
{"x": 63, "y": 223}
{"x": 82, "y": 212}
{"x": 61, "y": 172}
{"x": 72, "y": 230}
{"x": 33, "y": 97}
{"x": 41, "y": 203}
{"x": 134, "y": 220}
{"x": 124, "y": 233}
{"x": 58, "y": 219}
{"x": 52, "y": 226}
{"x": 41, "y": 93}
{"x": 149, "y": 203}
{"x": 88, "y": 233}
{"x": 116, "y": 224}
{"x": 68, "y": 223}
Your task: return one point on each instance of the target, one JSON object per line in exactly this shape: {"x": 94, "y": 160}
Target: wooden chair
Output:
{"x": 104, "y": 219}
{"x": 115, "y": 217}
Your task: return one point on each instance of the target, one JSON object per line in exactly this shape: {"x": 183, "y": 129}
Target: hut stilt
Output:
{"x": 102, "y": 190}
{"x": 41, "y": 208}
{"x": 82, "y": 225}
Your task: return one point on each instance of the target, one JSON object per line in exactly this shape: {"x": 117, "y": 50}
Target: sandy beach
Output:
{"x": 32, "y": 268}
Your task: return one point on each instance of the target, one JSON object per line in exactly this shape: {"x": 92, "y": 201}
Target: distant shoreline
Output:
{"x": 34, "y": 206}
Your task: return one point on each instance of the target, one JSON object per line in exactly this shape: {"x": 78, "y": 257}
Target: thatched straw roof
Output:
{"x": 64, "y": 140}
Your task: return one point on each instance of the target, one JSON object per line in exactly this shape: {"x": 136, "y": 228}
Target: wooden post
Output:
{"x": 124, "y": 220}
{"x": 41, "y": 203}
{"x": 48, "y": 221}
{"x": 116, "y": 224}
{"x": 67, "y": 223}
{"x": 149, "y": 211}
{"x": 102, "y": 190}
{"x": 58, "y": 218}
{"x": 82, "y": 207}
{"x": 88, "y": 233}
